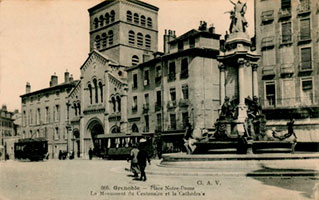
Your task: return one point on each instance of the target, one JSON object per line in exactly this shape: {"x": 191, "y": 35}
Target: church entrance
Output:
{"x": 95, "y": 128}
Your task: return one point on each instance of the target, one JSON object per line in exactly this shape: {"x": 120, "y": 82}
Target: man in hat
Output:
{"x": 133, "y": 158}
{"x": 142, "y": 157}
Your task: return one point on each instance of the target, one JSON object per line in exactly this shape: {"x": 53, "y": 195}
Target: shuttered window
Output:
{"x": 304, "y": 29}
{"x": 306, "y": 58}
{"x": 286, "y": 32}
{"x": 285, "y": 4}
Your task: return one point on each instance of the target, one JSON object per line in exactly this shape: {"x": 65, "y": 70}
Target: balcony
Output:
{"x": 304, "y": 38}
{"x": 268, "y": 42}
{"x": 269, "y": 70}
{"x": 184, "y": 74}
{"x": 183, "y": 102}
{"x": 171, "y": 77}
{"x": 158, "y": 128}
{"x": 146, "y": 108}
{"x": 286, "y": 39}
{"x": 158, "y": 106}
{"x": 134, "y": 109}
{"x": 284, "y": 13}
{"x": 146, "y": 129}
{"x": 146, "y": 83}
{"x": 267, "y": 16}
{"x": 172, "y": 127}
{"x": 171, "y": 104}
{"x": 158, "y": 79}
{"x": 270, "y": 102}
{"x": 304, "y": 8}
{"x": 306, "y": 66}
{"x": 287, "y": 68}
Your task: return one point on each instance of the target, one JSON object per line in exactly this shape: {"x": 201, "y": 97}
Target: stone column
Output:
{"x": 124, "y": 111}
{"x": 241, "y": 86}
{"x": 242, "y": 110}
{"x": 82, "y": 125}
{"x": 106, "y": 102}
{"x": 222, "y": 90}
{"x": 255, "y": 80}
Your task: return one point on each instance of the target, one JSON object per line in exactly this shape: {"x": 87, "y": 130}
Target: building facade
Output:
{"x": 124, "y": 30}
{"x": 287, "y": 38}
{"x": 8, "y": 132}
{"x": 168, "y": 91}
{"x": 44, "y": 113}
{"x": 122, "y": 34}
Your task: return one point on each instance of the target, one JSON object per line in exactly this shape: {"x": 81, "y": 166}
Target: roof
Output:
{"x": 196, "y": 33}
{"x": 137, "y": 2}
{"x": 203, "y": 52}
{"x": 59, "y": 86}
{"x": 94, "y": 51}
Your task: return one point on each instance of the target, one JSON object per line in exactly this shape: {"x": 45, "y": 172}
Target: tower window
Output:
{"x": 148, "y": 41}
{"x": 97, "y": 42}
{"x": 110, "y": 38}
{"x": 96, "y": 23}
{"x": 135, "y": 60}
{"x": 112, "y": 16}
{"x": 136, "y": 18}
{"x": 149, "y": 22}
{"x": 140, "y": 39}
{"x": 131, "y": 37}
{"x": 143, "y": 20}
{"x": 101, "y": 20}
{"x": 129, "y": 16}
{"x": 107, "y": 18}
{"x": 104, "y": 40}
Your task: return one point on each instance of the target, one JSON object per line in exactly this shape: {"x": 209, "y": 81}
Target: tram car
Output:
{"x": 119, "y": 146}
{"x": 34, "y": 149}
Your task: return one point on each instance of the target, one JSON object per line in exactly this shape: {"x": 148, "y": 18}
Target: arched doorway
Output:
{"x": 95, "y": 128}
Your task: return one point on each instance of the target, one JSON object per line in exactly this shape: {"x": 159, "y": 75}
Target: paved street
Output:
{"x": 101, "y": 179}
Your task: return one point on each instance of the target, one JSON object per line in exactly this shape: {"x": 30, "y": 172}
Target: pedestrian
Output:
{"x": 142, "y": 157}
{"x": 90, "y": 154}
{"x": 133, "y": 158}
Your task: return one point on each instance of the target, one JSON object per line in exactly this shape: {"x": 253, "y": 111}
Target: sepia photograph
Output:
{"x": 159, "y": 99}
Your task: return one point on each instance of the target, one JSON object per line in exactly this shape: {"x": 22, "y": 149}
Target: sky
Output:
{"x": 41, "y": 37}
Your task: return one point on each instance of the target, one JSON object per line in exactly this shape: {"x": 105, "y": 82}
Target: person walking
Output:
{"x": 142, "y": 157}
{"x": 90, "y": 154}
{"x": 133, "y": 158}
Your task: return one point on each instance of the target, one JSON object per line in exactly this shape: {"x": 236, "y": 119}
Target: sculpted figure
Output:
{"x": 226, "y": 110}
{"x": 238, "y": 20}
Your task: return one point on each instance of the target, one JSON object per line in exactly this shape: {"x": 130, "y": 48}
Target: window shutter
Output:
{"x": 304, "y": 29}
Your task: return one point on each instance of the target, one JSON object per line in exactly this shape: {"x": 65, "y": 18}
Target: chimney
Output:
{"x": 202, "y": 26}
{"x": 54, "y": 80}
{"x": 71, "y": 78}
{"x": 27, "y": 88}
{"x": 211, "y": 28}
{"x": 66, "y": 76}
{"x": 168, "y": 36}
{"x": 4, "y": 108}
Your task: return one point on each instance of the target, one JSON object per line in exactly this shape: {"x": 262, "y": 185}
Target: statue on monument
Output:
{"x": 238, "y": 20}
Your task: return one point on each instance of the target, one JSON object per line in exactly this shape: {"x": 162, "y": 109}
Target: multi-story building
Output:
{"x": 287, "y": 38}
{"x": 122, "y": 34}
{"x": 44, "y": 113}
{"x": 124, "y": 30}
{"x": 179, "y": 86}
{"x": 8, "y": 132}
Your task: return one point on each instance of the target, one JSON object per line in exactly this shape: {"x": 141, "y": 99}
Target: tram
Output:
{"x": 119, "y": 145}
{"x": 34, "y": 149}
